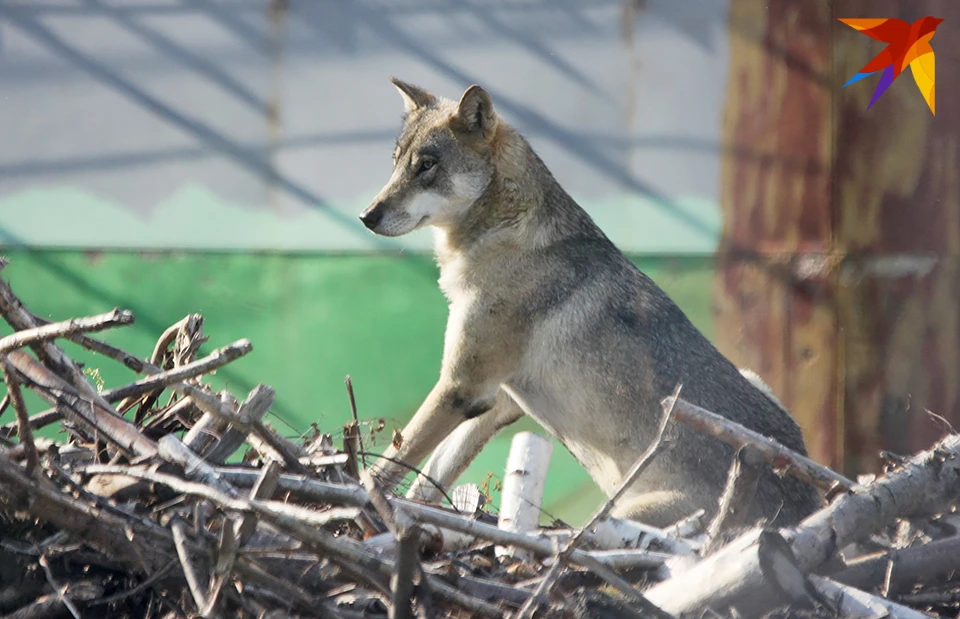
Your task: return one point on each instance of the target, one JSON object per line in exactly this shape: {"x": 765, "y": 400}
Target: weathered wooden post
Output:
{"x": 838, "y": 276}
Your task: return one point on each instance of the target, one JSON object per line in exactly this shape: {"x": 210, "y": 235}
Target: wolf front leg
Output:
{"x": 478, "y": 356}
{"x": 461, "y": 447}
{"x": 445, "y": 408}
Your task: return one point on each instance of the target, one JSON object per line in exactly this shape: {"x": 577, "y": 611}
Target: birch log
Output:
{"x": 856, "y": 604}
{"x": 925, "y": 484}
{"x": 523, "y": 484}
{"x": 756, "y": 571}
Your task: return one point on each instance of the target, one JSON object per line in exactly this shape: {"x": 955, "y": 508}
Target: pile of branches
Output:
{"x": 166, "y": 498}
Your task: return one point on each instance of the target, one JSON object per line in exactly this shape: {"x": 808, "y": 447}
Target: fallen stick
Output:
{"x": 737, "y": 497}
{"x": 926, "y": 484}
{"x": 52, "y": 605}
{"x": 301, "y": 486}
{"x": 288, "y": 450}
{"x": 406, "y": 569}
{"x": 60, "y": 364}
{"x": 210, "y": 486}
{"x": 157, "y": 378}
{"x": 215, "y": 434}
{"x": 23, "y": 417}
{"x": 197, "y": 588}
{"x": 931, "y": 598}
{"x": 539, "y": 544}
{"x": 51, "y": 331}
{"x": 87, "y": 411}
{"x": 216, "y": 359}
{"x": 777, "y": 455}
{"x": 131, "y": 362}
{"x": 910, "y": 565}
{"x": 756, "y": 571}
{"x": 853, "y": 603}
{"x": 623, "y": 534}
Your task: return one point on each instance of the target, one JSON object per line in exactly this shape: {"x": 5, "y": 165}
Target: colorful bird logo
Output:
{"x": 907, "y": 44}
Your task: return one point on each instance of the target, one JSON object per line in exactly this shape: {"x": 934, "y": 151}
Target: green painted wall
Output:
{"x": 312, "y": 318}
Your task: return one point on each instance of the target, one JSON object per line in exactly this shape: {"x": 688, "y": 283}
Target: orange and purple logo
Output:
{"x": 907, "y": 44}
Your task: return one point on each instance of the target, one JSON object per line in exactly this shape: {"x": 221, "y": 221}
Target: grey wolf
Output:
{"x": 548, "y": 318}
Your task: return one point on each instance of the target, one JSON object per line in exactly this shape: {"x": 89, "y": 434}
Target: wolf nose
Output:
{"x": 372, "y": 216}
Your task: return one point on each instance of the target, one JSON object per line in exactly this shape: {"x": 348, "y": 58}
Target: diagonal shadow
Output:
{"x": 534, "y": 46}
{"x": 227, "y": 18}
{"x": 247, "y": 158}
{"x": 189, "y": 59}
{"x": 113, "y": 161}
{"x": 532, "y": 119}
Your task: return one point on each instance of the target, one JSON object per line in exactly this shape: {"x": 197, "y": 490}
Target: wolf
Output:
{"x": 547, "y": 318}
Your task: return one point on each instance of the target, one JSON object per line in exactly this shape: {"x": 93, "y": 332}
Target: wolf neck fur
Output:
{"x": 523, "y": 208}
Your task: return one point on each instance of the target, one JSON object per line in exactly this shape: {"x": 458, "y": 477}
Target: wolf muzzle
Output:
{"x": 372, "y": 216}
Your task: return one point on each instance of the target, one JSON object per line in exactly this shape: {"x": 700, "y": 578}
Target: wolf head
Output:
{"x": 442, "y": 164}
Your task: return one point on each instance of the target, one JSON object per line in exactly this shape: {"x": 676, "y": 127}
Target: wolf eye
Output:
{"x": 425, "y": 165}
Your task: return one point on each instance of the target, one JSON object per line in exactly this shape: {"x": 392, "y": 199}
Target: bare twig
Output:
{"x": 777, "y": 455}
{"x": 23, "y": 417}
{"x": 855, "y": 604}
{"x": 52, "y": 605}
{"x": 86, "y": 410}
{"x": 289, "y": 451}
{"x": 59, "y": 590}
{"x": 356, "y": 419}
{"x": 179, "y": 530}
{"x": 65, "y": 329}
{"x": 216, "y": 359}
{"x": 258, "y": 402}
{"x": 905, "y": 566}
{"x": 737, "y": 497}
{"x": 931, "y": 597}
{"x": 406, "y": 568}
{"x": 59, "y": 363}
{"x": 539, "y": 544}
{"x": 35, "y": 422}
{"x": 351, "y": 439}
{"x": 132, "y": 362}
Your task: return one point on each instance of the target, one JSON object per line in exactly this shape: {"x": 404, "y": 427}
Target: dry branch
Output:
{"x": 925, "y": 484}
{"x": 909, "y": 566}
{"x": 12, "y": 310}
{"x": 737, "y": 497}
{"x": 89, "y": 412}
{"x": 291, "y": 535}
{"x": 856, "y": 604}
{"x": 216, "y": 359}
{"x": 65, "y": 329}
{"x": 777, "y": 455}
{"x": 23, "y": 417}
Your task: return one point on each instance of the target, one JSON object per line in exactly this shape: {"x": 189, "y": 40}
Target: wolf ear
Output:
{"x": 475, "y": 112}
{"x": 414, "y": 97}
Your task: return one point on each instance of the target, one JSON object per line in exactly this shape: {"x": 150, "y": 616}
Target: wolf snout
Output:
{"x": 372, "y": 216}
